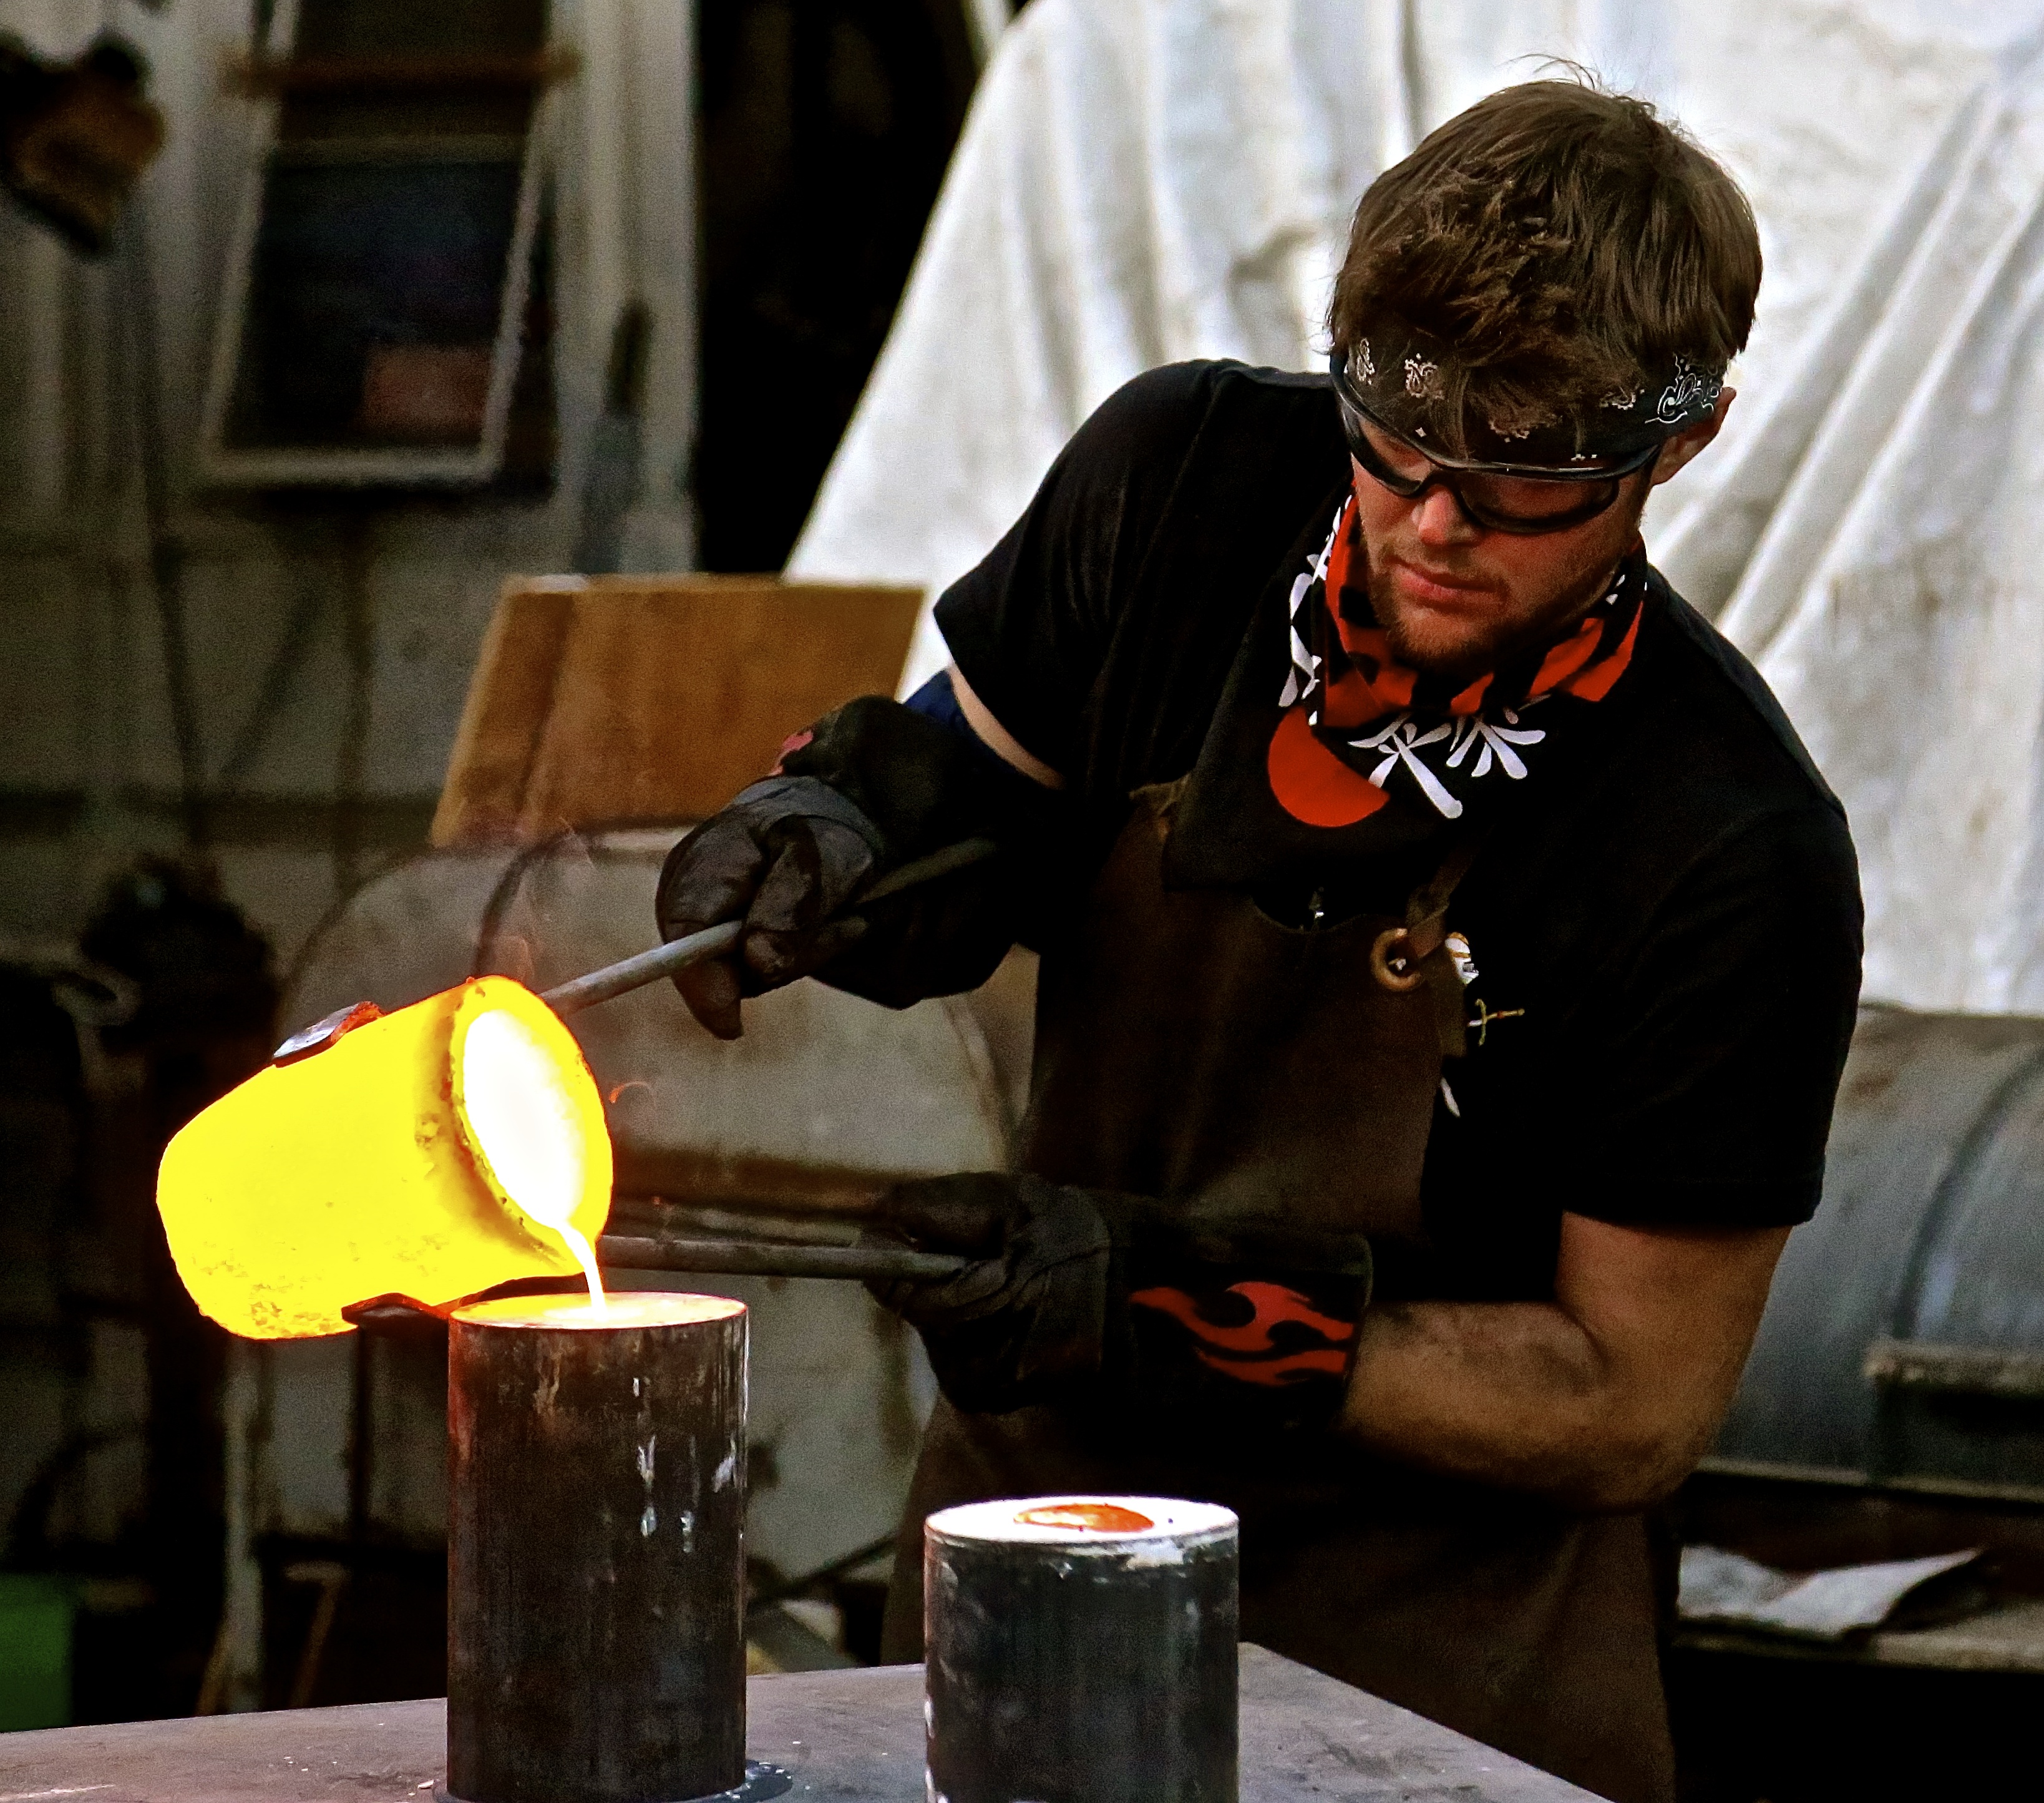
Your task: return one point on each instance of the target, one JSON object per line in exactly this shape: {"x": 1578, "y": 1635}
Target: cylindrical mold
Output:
{"x": 1080, "y": 1650}
{"x": 596, "y": 1552}
{"x": 435, "y": 1151}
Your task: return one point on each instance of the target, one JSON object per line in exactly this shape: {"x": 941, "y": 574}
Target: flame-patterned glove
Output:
{"x": 1125, "y": 1305}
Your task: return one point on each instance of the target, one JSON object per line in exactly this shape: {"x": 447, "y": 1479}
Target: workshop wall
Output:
{"x": 327, "y": 636}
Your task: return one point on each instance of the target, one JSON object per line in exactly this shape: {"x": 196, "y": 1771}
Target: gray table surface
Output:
{"x": 845, "y": 1736}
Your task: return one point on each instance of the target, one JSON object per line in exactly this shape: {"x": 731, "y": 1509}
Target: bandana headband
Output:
{"x": 1410, "y": 380}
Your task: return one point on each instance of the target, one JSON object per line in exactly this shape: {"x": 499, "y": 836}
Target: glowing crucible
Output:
{"x": 433, "y": 1152}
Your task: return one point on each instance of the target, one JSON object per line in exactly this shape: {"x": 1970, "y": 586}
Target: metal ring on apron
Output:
{"x": 1392, "y": 962}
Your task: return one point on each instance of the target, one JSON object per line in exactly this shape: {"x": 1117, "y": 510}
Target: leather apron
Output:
{"x": 1189, "y": 1047}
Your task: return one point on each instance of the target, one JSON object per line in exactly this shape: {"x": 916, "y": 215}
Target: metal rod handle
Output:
{"x": 643, "y": 967}
{"x": 761, "y": 1257}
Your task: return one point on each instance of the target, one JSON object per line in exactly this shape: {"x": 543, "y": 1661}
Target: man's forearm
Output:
{"x": 1513, "y": 1393}
{"x": 1603, "y": 1398}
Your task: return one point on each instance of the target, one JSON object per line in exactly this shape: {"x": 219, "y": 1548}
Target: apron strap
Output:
{"x": 1427, "y": 909}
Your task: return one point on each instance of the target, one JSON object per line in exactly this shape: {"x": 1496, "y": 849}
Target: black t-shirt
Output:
{"x": 1677, "y": 914}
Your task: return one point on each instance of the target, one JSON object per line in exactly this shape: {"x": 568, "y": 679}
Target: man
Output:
{"x": 1415, "y": 874}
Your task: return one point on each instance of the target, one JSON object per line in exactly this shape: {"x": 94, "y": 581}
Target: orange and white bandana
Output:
{"x": 1358, "y": 726}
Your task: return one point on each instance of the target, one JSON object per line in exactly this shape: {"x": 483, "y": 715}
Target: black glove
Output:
{"x": 785, "y": 857}
{"x": 1027, "y": 1320}
{"x": 873, "y": 787}
{"x": 1126, "y": 1306}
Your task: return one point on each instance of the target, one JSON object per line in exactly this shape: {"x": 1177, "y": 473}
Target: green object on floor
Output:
{"x": 36, "y": 1616}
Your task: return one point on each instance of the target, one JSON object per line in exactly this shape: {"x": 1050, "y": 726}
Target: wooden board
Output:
{"x": 608, "y": 700}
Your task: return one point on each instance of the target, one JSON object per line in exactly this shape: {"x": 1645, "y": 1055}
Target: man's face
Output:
{"x": 1456, "y": 599}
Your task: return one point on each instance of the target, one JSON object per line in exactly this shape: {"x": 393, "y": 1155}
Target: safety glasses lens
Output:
{"x": 1391, "y": 460}
{"x": 1523, "y": 501}
{"x": 1524, "y": 504}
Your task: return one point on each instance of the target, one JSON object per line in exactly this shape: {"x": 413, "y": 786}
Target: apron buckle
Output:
{"x": 1394, "y": 961}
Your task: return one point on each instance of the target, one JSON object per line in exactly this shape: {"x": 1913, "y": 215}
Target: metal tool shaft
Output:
{"x": 649, "y": 966}
{"x": 760, "y": 1257}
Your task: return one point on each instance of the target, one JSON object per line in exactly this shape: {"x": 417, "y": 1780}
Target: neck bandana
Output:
{"x": 1358, "y": 730}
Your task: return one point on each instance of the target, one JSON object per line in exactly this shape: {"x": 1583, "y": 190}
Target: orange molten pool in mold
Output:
{"x": 1094, "y": 1517}
{"x": 632, "y": 1309}
{"x": 432, "y": 1152}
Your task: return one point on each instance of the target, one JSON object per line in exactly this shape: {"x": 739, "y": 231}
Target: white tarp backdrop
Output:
{"x": 1147, "y": 180}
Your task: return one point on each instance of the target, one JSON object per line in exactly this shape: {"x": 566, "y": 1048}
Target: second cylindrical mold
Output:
{"x": 1081, "y": 1650}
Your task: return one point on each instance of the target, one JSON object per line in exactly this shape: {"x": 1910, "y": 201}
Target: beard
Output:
{"x": 1422, "y": 641}
{"x": 1464, "y": 645}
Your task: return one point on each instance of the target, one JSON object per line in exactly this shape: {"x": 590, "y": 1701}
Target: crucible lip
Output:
{"x": 560, "y": 1093}
{"x": 1171, "y": 1518}
{"x": 628, "y": 1310}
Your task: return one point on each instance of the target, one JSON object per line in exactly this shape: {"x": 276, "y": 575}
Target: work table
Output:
{"x": 844, "y": 1736}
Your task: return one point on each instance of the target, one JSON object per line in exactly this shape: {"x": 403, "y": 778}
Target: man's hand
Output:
{"x": 1603, "y": 1399}
{"x": 1026, "y": 1320}
{"x": 870, "y": 787}
{"x": 784, "y": 857}
{"x": 1125, "y": 1305}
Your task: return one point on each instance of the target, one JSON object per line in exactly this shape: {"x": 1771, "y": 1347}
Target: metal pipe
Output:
{"x": 596, "y": 1559}
{"x": 677, "y": 955}
{"x": 766, "y": 1258}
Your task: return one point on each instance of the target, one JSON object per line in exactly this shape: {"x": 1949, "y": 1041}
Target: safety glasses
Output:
{"x": 1498, "y": 498}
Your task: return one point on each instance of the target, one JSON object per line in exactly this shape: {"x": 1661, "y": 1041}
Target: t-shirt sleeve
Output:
{"x": 1711, "y": 1101}
{"x": 1029, "y": 627}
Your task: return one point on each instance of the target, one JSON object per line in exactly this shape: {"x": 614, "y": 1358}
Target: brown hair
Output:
{"x": 1563, "y": 240}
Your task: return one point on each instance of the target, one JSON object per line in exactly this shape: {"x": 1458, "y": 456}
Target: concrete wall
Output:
{"x": 329, "y": 638}
{"x": 329, "y": 656}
